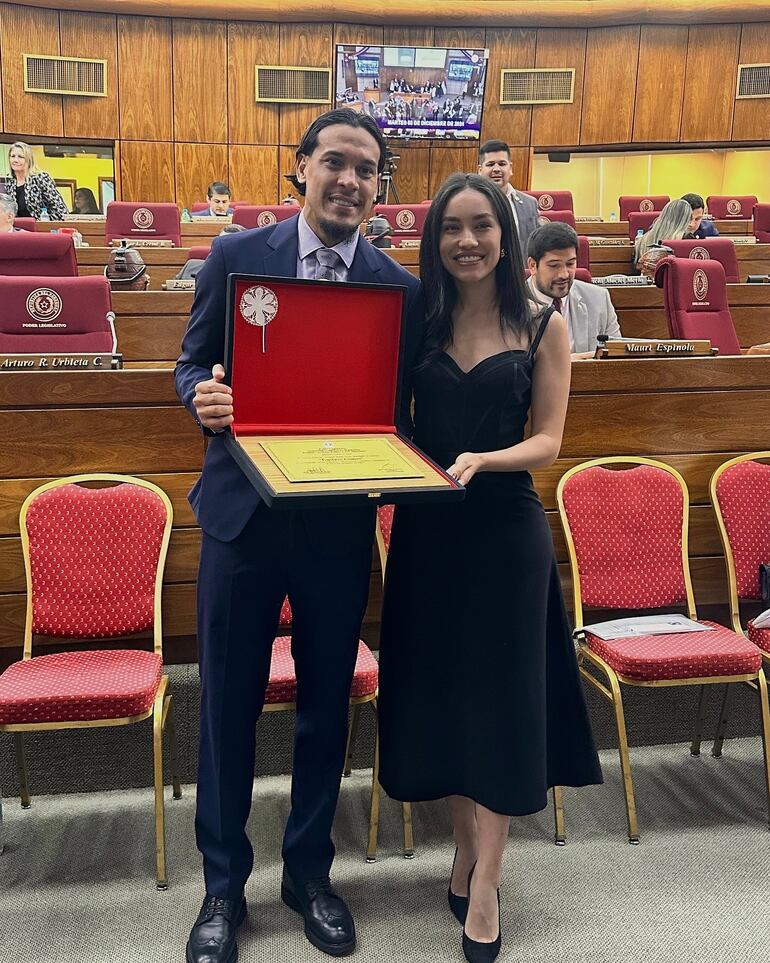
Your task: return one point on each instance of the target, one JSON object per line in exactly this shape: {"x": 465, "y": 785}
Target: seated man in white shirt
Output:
{"x": 587, "y": 309}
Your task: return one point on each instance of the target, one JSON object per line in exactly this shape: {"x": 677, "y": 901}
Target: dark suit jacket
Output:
{"x": 706, "y": 229}
{"x": 223, "y": 499}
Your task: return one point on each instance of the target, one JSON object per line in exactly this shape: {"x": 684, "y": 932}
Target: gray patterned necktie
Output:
{"x": 327, "y": 263}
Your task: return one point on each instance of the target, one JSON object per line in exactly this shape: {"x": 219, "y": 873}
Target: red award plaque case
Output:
{"x": 320, "y": 361}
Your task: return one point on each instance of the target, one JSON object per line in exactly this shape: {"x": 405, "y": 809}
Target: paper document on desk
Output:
{"x": 644, "y": 625}
{"x": 762, "y": 621}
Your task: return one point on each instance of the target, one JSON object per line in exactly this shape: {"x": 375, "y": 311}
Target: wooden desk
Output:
{"x": 641, "y": 313}
{"x": 691, "y": 413}
{"x": 163, "y": 263}
{"x": 193, "y": 233}
{"x": 618, "y": 259}
{"x": 620, "y": 228}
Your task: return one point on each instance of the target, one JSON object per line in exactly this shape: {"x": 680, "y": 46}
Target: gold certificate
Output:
{"x": 339, "y": 459}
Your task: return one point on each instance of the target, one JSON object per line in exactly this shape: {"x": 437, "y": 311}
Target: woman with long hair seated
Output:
{"x": 84, "y": 202}
{"x": 480, "y": 698}
{"x": 672, "y": 224}
{"x": 33, "y": 189}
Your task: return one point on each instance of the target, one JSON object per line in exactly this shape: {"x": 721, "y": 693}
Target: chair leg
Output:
{"x": 160, "y": 818}
{"x": 765, "y": 714}
{"x": 625, "y": 761}
{"x": 716, "y": 749}
{"x": 406, "y": 815}
{"x": 352, "y": 733}
{"x": 558, "y": 816}
{"x": 170, "y": 725}
{"x": 698, "y": 722}
{"x": 21, "y": 770}
{"x": 374, "y": 806}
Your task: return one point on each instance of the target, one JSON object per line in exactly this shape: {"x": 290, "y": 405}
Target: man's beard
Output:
{"x": 335, "y": 231}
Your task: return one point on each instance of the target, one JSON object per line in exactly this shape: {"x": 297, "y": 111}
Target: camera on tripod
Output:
{"x": 387, "y": 182}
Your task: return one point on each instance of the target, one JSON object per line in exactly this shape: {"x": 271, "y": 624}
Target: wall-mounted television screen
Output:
{"x": 421, "y": 92}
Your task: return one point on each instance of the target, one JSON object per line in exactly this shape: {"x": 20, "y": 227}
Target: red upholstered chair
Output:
{"x": 725, "y": 207}
{"x": 25, "y": 223}
{"x": 641, "y": 221}
{"x": 720, "y": 249}
{"x": 566, "y": 217}
{"x": 407, "y": 220}
{"x": 740, "y": 494}
{"x": 553, "y": 200}
{"x": 641, "y": 202}
{"x": 281, "y": 695}
{"x": 94, "y": 561}
{"x": 263, "y": 215}
{"x": 626, "y": 533}
{"x": 201, "y": 252}
{"x": 583, "y": 274}
{"x": 38, "y": 254}
{"x": 762, "y": 223}
{"x": 584, "y": 252}
{"x": 143, "y": 221}
{"x": 695, "y": 298}
{"x": 56, "y": 314}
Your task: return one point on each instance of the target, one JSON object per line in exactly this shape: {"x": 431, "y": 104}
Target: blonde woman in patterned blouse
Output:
{"x": 32, "y": 189}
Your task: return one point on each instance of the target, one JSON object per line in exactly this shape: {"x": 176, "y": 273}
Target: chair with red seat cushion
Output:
{"x": 565, "y": 217}
{"x": 263, "y": 215}
{"x": 740, "y": 494}
{"x": 25, "y": 223}
{"x": 94, "y": 559}
{"x": 38, "y": 254}
{"x": 583, "y": 274}
{"x": 143, "y": 221}
{"x": 407, "y": 220}
{"x": 200, "y": 252}
{"x": 695, "y": 298}
{"x": 553, "y": 200}
{"x": 626, "y": 533}
{"x": 641, "y": 221}
{"x": 725, "y": 207}
{"x": 281, "y": 693}
{"x": 646, "y": 203}
{"x": 583, "y": 253}
{"x": 56, "y": 314}
{"x": 720, "y": 249}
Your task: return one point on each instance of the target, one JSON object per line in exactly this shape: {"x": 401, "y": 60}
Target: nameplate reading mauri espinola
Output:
{"x": 359, "y": 459}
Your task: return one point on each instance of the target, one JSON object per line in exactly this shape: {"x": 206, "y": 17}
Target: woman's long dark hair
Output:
{"x": 439, "y": 285}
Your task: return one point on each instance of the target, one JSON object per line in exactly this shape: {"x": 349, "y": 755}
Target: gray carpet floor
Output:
{"x": 76, "y": 875}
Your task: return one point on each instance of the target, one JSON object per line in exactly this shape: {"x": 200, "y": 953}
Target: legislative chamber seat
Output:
{"x": 553, "y": 200}
{"x": 143, "y": 221}
{"x": 720, "y": 249}
{"x": 263, "y": 215}
{"x": 37, "y": 254}
{"x": 695, "y": 298}
{"x": 726, "y": 207}
{"x": 645, "y": 203}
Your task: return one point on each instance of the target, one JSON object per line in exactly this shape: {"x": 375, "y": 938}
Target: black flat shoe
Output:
{"x": 212, "y": 938}
{"x": 458, "y": 904}
{"x": 328, "y": 923}
{"x": 482, "y": 952}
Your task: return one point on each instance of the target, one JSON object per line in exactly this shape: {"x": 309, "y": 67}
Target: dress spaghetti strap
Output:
{"x": 541, "y": 330}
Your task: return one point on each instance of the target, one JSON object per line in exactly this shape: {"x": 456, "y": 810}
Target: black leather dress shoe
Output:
{"x": 328, "y": 923}
{"x": 212, "y": 938}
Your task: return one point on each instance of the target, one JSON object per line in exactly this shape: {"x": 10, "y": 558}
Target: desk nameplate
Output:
{"x": 74, "y": 361}
{"x": 629, "y": 348}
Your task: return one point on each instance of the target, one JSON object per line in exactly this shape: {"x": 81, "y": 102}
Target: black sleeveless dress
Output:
{"x": 480, "y": 694}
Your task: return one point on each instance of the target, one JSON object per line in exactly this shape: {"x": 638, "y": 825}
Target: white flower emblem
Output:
{"x": 259, "y": 305}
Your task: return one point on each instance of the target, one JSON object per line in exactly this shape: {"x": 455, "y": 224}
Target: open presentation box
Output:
{"x": 315, "y": 368}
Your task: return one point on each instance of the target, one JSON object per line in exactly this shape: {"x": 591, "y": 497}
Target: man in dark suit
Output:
{"x": 697, "y": 226}
{"x": 495, "y": 163}
{"x": 218, "y": 197}
{"x": 252, "y": 558}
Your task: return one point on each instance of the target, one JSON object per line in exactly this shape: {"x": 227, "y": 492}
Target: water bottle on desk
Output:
{"x": 45, "y": 216}
{"x": 612, "y": 216}
{"x": 185, "y": 218}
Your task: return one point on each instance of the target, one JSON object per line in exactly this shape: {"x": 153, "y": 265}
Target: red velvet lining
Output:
{"x": 331, "y": 359}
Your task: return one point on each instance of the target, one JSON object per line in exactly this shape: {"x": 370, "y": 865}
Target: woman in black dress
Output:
{"x": 480, "y": 697}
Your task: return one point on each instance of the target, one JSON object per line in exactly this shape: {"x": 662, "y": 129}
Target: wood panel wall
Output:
{"x": 181, "y": 103}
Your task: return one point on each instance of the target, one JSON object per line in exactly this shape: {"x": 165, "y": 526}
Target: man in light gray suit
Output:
{"x": 587, "y": 309}
{"x": 495, "y": 163}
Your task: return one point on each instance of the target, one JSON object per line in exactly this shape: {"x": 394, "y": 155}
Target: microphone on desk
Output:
{"x": 758, "y": 279}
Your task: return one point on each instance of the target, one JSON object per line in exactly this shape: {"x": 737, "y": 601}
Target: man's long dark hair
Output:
{"x": 439, "y": 285}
